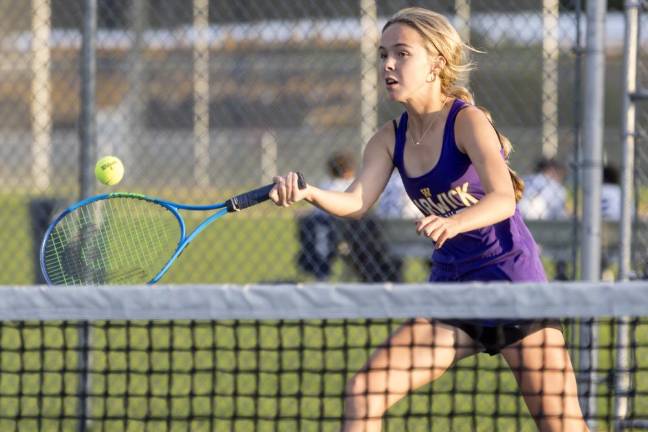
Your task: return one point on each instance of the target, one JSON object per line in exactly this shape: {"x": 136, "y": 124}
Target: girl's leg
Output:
{"x": 415, "y": 354}
{"x": 546, "y": 378}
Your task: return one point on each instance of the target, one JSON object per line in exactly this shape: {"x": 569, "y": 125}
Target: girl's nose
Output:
{"x": 388, "y": 64}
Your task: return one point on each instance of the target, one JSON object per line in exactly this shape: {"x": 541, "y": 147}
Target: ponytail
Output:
{"x": 460, "y": 93}
{"x": 507, "y": 148}
{"x": 465, "y": 95}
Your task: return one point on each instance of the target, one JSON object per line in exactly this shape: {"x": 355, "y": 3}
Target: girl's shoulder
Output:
{"x": 384, "y": 138}
{"x": 470, "y": 121}
{"x": 474, "y": 129}
{"x": 470, "y": 114}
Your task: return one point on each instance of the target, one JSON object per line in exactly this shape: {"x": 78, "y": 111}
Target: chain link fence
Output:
{"x": 204, "y": 99}
{"x": 640, "y": 236}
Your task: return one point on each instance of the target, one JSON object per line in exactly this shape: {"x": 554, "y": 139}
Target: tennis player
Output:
{"x": 453, "y": 164}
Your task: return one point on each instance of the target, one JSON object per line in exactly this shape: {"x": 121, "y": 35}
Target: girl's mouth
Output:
{"x": 391, "y": 82}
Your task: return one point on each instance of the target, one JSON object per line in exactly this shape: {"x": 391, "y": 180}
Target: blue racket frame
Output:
{"x": 232, "y": 205}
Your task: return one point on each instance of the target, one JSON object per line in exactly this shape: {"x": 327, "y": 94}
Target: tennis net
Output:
{"x": 281, "y": 357}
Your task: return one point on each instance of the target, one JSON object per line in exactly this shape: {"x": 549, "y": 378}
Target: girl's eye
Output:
{"x": 403, "y": 53}
{"x": 383, "y": 55}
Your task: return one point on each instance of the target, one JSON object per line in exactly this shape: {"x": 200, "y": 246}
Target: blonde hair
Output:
{"x": 507, "y": 148}
{"x": 442, "y": 37}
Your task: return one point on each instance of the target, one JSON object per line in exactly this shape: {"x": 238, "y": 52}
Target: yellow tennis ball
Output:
{"x": 109, "y": 170}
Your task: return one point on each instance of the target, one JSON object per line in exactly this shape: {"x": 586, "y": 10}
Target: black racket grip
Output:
{"x": 257, "y": 196}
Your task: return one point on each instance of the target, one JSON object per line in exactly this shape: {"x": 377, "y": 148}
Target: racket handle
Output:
{"x": 257, "y": 196}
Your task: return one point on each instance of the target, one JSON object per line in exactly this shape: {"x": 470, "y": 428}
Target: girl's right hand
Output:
{"x": 286, "y": 190}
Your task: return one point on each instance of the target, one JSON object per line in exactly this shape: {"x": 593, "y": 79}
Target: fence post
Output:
{"x": 368, "y": 73}
{"x": 88, "y": 132}
{"x": 592, "y": 172}
{"x": 550, "y": 54}
{"x": 630, "y": 53}
{"x": 41, "y": 101}
{"x": 201, "y": 91}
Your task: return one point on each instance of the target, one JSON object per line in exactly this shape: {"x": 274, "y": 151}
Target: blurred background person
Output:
{"x": 545, "y": 195}
{"x": 341, "y": 170}
{"x": 610, "y": 212}
{"x": 318, "y": 237}
{"x": 394, "y": 202}
{"x": 545, "y": 199}
{"x": 610, "y": 194}
{"x": 360, "y": 243}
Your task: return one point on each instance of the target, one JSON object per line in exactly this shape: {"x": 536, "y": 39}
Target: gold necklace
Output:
{"x": 427, "y": 129}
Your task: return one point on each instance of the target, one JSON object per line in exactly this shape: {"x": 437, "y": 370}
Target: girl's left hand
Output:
{"x": 439, "y": 229}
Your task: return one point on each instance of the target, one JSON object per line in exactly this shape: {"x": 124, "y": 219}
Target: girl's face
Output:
{"x": 405, "y": 63}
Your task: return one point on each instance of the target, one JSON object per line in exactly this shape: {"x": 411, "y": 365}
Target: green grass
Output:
{"x": 16, "y": 259}
{"x": 243, "y": 375}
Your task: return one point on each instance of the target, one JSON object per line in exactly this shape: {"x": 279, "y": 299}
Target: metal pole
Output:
{"x": 578, "y": 143}
{"x": 368, "y": 73}
{"x": 41, "y": 103}
{"x": 576, "y": 180}
{"x": 88, "y": 151}
{"x": 550, "y": 54}
{"x": 593, "y": 140}
{"x": 201, "y": 91}
{"x": 87, "y": 123}
{"x": 630, "y": 53}
{"x": 592, "y": 167}
{"x": 135, "y": 99}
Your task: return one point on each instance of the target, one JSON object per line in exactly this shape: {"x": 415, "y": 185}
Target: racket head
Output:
{"x": 117, "y": 238}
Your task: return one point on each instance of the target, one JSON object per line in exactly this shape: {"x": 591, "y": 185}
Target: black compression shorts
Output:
{"x": 495, "y": 338}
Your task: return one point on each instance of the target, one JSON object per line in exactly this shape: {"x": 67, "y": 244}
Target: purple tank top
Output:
{"x": 504, "y": 251}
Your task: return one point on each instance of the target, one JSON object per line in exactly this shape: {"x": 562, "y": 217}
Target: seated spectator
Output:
{"x": 545, "y": 198}
{"x": 360, "y": 242}
{"x": 394, "y": 202}
{"x": 545, "y": 195}
{"x": 318, "y": 242}
{"x": 611, "y": 212}
{"x": 341, "y": 168}
{"x": 610, "y": 194}
{"x": 318, "y": 237}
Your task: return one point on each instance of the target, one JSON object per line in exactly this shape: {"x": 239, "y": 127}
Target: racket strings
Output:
{"x": 118, "y": 240}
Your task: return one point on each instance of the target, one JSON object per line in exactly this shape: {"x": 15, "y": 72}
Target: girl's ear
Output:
{"x": 439, "y": 64}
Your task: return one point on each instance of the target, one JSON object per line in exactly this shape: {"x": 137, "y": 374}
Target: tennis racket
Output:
{"x": 126, "y": 238}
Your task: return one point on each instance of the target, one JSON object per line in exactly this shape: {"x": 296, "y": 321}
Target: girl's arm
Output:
{"x": 360, "y": 196}
{"x": 476, "y": 137}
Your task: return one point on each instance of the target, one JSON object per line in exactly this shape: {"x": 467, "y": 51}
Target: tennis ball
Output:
{"x": 109, "y": 170}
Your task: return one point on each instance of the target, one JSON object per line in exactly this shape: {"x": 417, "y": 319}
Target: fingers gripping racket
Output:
{"x": 126, "y": 238}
